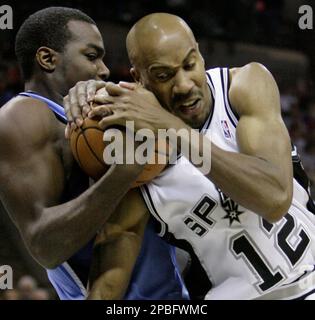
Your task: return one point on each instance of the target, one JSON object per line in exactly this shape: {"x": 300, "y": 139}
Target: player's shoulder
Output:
{"x": 251, "y": 71}
{"x": 27, "y": 119}
{"x": 246, "y": 75}
{"x": 250, "y": 82}
{"x": 25, "y": 108}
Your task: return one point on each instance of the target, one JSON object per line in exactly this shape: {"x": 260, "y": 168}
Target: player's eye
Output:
{"x": 91, "y": 56}
{"x": 190, "y": 65}
{"x": 162, "y": 76}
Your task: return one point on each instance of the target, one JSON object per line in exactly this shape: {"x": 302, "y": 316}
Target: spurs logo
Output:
{"x": 230, "y": 207}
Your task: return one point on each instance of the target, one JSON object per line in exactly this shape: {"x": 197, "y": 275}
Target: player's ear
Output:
{"x": 46, "y": 58}
{"x": 135, "y": 74}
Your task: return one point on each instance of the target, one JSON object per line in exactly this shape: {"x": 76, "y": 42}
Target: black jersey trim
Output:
{"x": 196, "y": 278}
{"x": 227, "y": 107}
{"x": 228, "y": 84}
{"x": 150, "y": 205}
{"x": 212, "y": 91}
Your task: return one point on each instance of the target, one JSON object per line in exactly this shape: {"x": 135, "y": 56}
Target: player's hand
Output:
{"x": 78, "y": 102}
{"x": 138, "y": 105}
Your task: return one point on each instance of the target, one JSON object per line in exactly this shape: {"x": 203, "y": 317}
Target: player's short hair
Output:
{"x": 47, "y": 27}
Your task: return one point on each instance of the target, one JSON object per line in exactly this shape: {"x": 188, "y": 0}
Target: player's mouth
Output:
{"x": 190, "y": 107}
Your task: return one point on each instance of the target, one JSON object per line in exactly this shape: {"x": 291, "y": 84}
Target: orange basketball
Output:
{"x": 87, "y": 146}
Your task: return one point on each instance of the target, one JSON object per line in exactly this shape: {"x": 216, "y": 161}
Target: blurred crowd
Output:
{"x": 298, "y": 110}
{"x": 27, "y": 288}
{"x": 268, "y": 22}
{"x": 10, "y": 80}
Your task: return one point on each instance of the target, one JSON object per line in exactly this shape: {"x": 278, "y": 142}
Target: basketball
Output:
{"x": 87, "y": 146}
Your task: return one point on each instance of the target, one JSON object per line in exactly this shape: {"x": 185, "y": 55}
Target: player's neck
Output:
{"x": 209, "y": 103}
{"x": 44, "y": 89}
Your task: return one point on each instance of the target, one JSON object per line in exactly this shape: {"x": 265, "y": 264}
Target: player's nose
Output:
{"x": 103, "y": 72}
{"x": 183, "y": 83}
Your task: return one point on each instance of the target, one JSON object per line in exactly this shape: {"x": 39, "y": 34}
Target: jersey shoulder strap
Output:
{"x": 57, "y": 109}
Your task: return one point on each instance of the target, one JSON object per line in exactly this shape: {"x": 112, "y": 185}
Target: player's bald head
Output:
{"x": 152, "y": 32}
{"x": 166, "y": 60}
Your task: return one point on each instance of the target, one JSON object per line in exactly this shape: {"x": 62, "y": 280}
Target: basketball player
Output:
{"x": 248, "y": 223}
{"x": 45, "y": 192}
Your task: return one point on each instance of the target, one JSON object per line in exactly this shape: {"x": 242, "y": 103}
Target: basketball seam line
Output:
{"x": 96, "y": 157}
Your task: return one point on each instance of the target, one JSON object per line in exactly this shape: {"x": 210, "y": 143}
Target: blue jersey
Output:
{"x": 155, "y": 276}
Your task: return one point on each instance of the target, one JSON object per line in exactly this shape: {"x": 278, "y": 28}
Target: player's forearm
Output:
{"x": 109, "y": 286}
{"x": 114, "y": 258}
{"x": 252, "y": 182}
{"x": 62, "y": 230}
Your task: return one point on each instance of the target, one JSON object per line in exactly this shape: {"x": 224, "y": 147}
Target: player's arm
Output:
{"x": 116, "y": 249}
{"x": 77, "y": 103}
{"x": 32, "y": 181}
{"x": 259, "y": 176}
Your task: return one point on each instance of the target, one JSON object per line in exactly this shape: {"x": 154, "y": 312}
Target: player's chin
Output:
{"x": 195, "y": 119}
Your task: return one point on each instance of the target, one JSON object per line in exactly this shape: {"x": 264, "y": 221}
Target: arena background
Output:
{"x": 230, "y": 33}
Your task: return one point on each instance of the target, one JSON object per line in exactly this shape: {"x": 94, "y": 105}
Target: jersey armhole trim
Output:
{"x": 75, "y": 278}
{"x": 224, "y": 73}
{"x": 150, "y": 204}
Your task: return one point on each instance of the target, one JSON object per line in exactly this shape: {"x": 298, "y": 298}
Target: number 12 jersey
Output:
{"x": 239, "y": 254}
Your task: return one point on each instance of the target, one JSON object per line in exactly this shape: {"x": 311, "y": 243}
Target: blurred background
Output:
{"x": 230, "y": 33}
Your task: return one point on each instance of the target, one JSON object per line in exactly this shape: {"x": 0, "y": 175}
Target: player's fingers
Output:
{"x": 111, "y": 120}
{"x": 103, "y": 99}
{"x": 100, "y": 111}
{"x": 91, "y": 87}
{"x": 115, "y": 90}
{"x": 81, "y": 88}
{"x": 86, "y": 109}
{"x": 66, "y": 105}
{"x": 128, "y": 85}
{"x": 75, "y": 108}
{"x": 67, "y": 131}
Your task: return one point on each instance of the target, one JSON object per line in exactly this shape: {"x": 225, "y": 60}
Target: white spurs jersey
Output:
{"x": 240, "y": 255}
